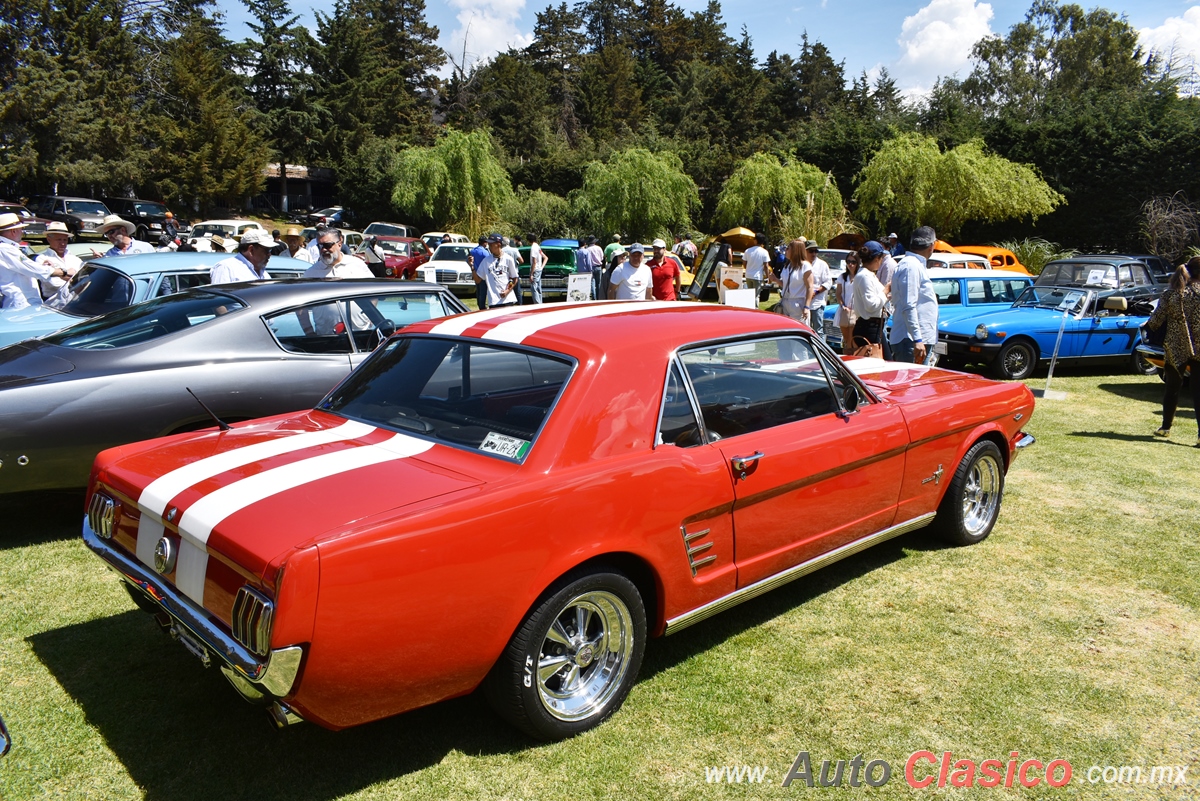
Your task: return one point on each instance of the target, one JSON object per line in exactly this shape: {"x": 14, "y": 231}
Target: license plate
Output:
{"x": 940, "y": 347}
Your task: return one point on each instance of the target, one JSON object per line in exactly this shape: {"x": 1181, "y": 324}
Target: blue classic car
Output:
{"x": 1099, "y": 327}
{"x": 961, "y": 292}
{"x": 110, "y": 283}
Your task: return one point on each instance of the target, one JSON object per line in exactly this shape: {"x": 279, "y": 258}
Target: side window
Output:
{"x": 1141, "y": 275}
{"x": 317, "y": 328}
{"x": 947, "y": 291}
{"x": 170, "y": 284}
{"x": 977, "y": 291}
{"x": 1124, "y": 275}
{"x": 677, "y": 421}
{"x": 1012, "y": 290}
{"x": 750, "y": 386}
{"x": 374, "y": 319}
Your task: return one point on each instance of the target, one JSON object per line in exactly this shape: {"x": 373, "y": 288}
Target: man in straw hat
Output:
{"x": 120, "y": 233}
{"x": 19, "y": 276}
{"x": 293, "y": 237}
{"x": 56, "y": 255}
{"x": 250, "y": 263}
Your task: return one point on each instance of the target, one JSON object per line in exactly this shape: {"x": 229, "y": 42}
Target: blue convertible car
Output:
{"x": 1099, "y": 327}
{"x": 110, "y": 283}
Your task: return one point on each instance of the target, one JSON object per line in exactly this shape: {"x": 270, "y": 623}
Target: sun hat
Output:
{"x": 57, "y": 227}
{"x": 113, "y": 221}
{"x": 10, "y": 221}
{"x": 292, "y": 231}
{"x": 218, "y": 241}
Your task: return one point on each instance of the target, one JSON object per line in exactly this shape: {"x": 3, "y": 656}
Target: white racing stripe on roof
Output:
{"x": 205, "y": 514}
{"x": 864, "y": 366}
{"x": 515, "y": 331}
{"x": 453, "y": 326}
{"x": 158, "y": 493}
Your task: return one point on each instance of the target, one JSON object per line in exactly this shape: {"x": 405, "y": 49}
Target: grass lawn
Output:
{"x": 1073, "y": 632}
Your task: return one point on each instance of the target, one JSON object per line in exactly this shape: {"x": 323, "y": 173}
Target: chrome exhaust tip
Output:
{"x": 283, "y": 715}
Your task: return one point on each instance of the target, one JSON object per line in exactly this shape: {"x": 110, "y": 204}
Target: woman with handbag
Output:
{"x": 796, "y": 282}
{"x": 1179, "y": 310}
{"x": 846, "y": 317}
{"x": 868, "y": 300}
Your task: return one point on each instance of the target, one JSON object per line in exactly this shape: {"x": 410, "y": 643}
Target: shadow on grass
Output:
{"x": 183, "y": 733}
{"x": 666, "y": 652}
{"x": 32, "y": 518}
{"x": 1150, "y": 393}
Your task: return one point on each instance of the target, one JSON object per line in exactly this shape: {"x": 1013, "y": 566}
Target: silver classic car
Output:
{"x": 174, "y": 363}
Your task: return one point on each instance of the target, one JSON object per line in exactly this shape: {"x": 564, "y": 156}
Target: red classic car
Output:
{"x": 518, "y": 498}
{"x": 402, "y": 256}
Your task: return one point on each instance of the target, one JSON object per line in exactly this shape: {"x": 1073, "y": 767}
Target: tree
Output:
{"x": 1170, "y": 224}
{"x": 776, "y": 197}
{"x": 458, "y": 183}
{"x": 538, "y": 213}
{"x": 910, "y": 181}
{"x": 638, "y": 193}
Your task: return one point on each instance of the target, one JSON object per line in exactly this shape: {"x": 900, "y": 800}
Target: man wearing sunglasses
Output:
{"x": 333, "y": 262}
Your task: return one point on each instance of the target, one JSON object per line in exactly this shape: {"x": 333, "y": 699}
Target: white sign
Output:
{"x": 742, "y": 298}
{"x": 727, "y": 276}
{"x": 579, "y": 287}
{"x": 1096, "y": 277}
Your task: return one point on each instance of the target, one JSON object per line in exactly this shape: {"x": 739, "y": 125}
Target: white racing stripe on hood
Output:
{"x": 516, "y": 331}
{"x": 454, "y": 326}
{"x": 205, "y": 514}
{"x": 158, "y": 493}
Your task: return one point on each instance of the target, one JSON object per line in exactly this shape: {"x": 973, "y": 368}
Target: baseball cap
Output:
{"x": 495, "y": 239}
{"x": 637, "y": 247}
{"x": 812, "y": 245}
{"x": 257, "y": 236}
{"x": 658, "y": 243}
{"x": 873, "y": 248}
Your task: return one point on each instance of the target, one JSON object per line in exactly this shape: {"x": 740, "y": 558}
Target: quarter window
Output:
{"x": 678, "y": 424}
{"x": 749, "y": 386}
{"x": 317, "y": 328}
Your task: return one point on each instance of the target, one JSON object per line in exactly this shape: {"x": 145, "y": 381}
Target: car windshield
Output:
{"x": 208, "y": 229}
{"x": 329, "y": 212}
{"x": 145, "y": 322}
{"x": 452, "y": 253}
{"x": 1045, "y": 297}
{"x": 1079, "y": 275}
{"x": 150, "y": 209}
{"x": 86, "y": 207}
{"x": 385, "y": 229}
{"x": 396, "y": 248}
{"x": 457, "y": 392}
{"x": 94, "y": 290}
{"x": 18, "y": 210}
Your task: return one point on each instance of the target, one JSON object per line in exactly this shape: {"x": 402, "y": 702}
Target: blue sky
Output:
{"x": 915, "y": 41}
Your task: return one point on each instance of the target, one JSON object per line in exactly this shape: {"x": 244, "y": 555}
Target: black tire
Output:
{"x": 1140, "y": 365}
{"x": 1016, "y": 361}
{"x": 142, "y": 233}
{"x": 552, "y": 683}
{"x": 971, "y": 504}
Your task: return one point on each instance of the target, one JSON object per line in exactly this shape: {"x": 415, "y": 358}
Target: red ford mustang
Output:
{"x": 518, "y": 498}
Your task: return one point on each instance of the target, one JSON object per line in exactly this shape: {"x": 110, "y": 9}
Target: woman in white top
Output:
{"x": 869, "y": 296}
{"x": 844, "y": 288}
{"x": 796, "y": 282}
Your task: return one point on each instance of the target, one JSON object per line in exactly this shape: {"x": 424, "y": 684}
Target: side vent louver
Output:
{"x": 251, "y": 624}
{"x": 694, "y": 550}
{"x": 101, "y": 514}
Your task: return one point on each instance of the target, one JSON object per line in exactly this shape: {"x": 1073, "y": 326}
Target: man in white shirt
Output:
{"x": 510, "y": 250}
{"x": 250, "y": 263}
{"x": 632, "y": 280}
{"x": 537, "y": 263}
{"x": 499, "y": 273}
{"x": 333, "y": 262}
{"x": 822, "y": 283}
{"x": 293, "y": 237}
{"x": 19, "y": 276}
{"x": 56, "y": 255}
{"x": 120, "y": 233}
{"x": 756, "y": 259}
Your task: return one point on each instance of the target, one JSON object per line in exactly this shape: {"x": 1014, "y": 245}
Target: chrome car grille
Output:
{"x": 447, "y": 276}
{"x": 101, "y": 513}
{"x": 554, "y": 282}
{"x": 251, "y": 623}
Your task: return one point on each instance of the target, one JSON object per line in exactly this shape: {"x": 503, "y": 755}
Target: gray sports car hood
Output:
{"x": 21, "y": 363}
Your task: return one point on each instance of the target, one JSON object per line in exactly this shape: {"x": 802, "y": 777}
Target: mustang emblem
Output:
{"x": 936, "y": 478}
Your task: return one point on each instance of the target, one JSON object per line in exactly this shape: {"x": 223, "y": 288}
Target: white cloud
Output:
{"x": 937, "y": 41}
{"x": 488, "y": 27}
{"x": 1177, "y": 39}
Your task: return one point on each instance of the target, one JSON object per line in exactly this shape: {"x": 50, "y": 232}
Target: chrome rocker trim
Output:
{"x": 791, "y": 574}
{"x": 273, "y": 677}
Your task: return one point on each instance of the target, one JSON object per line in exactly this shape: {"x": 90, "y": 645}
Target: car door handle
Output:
{"x": 744, "y": 464}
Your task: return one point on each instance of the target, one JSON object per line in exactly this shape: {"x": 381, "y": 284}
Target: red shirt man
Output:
{"x": 665, "y": 272}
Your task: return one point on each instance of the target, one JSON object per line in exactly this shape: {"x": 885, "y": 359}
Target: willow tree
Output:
{"x": 784, "y": 199}
{"x": 638, "y": 194}
{"x": 458, "y": 184}
{"x": 910, "y": 181}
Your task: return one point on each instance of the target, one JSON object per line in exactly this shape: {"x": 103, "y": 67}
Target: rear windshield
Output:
{"x": 458, "y": 392}
{"x": 385, "y": 229}
{"x": 208, "y": 229}
{"x": 145, "y": 322}
{"x": 94, "y": 290}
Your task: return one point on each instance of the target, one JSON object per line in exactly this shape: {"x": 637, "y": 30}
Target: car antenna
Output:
{"x": 224, "y": 426}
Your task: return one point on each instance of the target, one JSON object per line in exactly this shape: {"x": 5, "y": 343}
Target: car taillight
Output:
{"x": 251, "y": 624}
{"x": 101, "y": 515}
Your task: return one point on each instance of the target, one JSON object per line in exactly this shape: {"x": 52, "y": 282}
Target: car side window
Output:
{"x": 170, "y": 284}
{"x": 750, "y": 386}
{"x": 374, "y": 319}
{"x": 1124, "y": 275}
{"x": 317, "y": 328}
{"x": 677, "y": 424}
{"x": 977, "y": 291}
{"x": 947, "y": 291}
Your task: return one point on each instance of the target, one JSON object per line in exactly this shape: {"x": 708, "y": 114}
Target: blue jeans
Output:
{"x": 535, "y": 285}
{"x": 902, "y": 351}
{"x": 481, "y": 295}
{"x": 597, "y": 274}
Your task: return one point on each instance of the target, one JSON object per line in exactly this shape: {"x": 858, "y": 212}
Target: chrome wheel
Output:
{"x": 981, "y": 495}
{"x": 1016, "y": 361}
{"x": 585, "y": 655}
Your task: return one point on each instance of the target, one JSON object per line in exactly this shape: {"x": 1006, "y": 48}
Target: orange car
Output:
{"x": 1001, "y": 258}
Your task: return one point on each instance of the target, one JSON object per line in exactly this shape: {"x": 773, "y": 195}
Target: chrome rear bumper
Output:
{"x": 1025, "y": 441}
{"x": 256, "y": 680}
